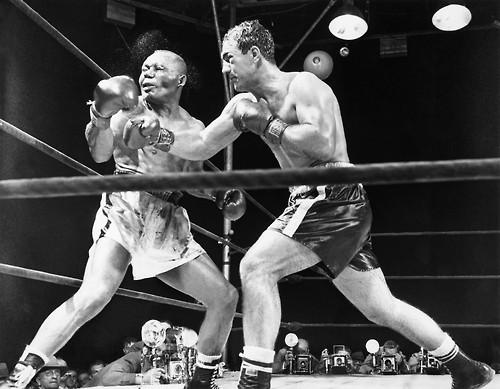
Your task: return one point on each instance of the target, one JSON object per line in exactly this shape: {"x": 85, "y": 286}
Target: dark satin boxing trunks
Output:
{"x": 333, "y": 221}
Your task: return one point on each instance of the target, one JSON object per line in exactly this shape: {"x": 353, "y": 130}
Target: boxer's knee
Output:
{"x": 225, "y": 299}
{"x": 88, "y": 303}
{"x": 255, "y": 272}
{"x": 230, "y": 299}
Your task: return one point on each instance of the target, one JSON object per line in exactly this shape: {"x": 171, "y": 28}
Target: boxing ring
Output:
{"x": 369, "y": 174}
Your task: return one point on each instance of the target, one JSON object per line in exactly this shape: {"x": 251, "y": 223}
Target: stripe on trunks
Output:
{"x": 301, "y": 211}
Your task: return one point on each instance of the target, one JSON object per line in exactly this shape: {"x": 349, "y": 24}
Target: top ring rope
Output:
{"x": 74, "y": 164}
{"x": 376, "y": 174}
{"x": 434, "y": 233}
{"x": 72, "y": 48}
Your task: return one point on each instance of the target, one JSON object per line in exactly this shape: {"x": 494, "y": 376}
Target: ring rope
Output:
{"x": 377, "y": 174}
{"x": 72, "y": 48}
{"x": 295, "y": 326}
{"x": 298, "y": 278}
{"x": 72, "y": 163}
{"x": 75, "y": 282}
{"x": 45, "y": 148}
{"x": 434, "y": 233}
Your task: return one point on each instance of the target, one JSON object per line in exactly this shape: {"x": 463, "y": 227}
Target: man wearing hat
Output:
{"x": 49, "y": 376}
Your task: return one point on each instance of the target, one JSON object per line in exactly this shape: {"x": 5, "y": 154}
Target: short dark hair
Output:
{"x": 128, "y": 340}
{"x": 97, "y": 362}
{"x": 251, "y": 33}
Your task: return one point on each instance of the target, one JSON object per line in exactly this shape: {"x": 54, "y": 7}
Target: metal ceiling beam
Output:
{"x": 260, "y": 3}
{"x": 495, "y": 25}
{"x": 170, "y": 14}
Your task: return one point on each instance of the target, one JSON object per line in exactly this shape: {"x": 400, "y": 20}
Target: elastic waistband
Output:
{"x": 295, "y": 190}
{"x": 332, "y": 164}
{"x": 168, "y": 196}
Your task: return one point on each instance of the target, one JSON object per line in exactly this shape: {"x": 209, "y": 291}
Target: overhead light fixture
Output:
{"x": 348, "y": 22}
{"x": 451, "y": 15}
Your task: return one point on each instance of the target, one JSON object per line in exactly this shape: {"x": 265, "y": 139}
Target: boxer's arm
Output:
{"x": 314, "y": 105}
{"x": 197, "y": 166}
{"x": 100, "y": 139}
{"x": 200, "y": 143}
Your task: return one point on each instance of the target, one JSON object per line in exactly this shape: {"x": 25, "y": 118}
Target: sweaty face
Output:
{"x": 161, "y": 76}
{"x": 237, "y": 65}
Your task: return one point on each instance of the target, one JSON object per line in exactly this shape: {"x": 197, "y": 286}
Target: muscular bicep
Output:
{"x": 314, "y": 116}
{"x": 314, "y": 104}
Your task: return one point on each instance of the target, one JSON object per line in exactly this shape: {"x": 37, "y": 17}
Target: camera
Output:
{"x": 302, "y": 364}
{"x": 429, "y": 364}
{"x": 176, "y": 373}
{"x": 339, "y": 360}
{"x": 169, "y": 348}
{"x": 388, "y": 364}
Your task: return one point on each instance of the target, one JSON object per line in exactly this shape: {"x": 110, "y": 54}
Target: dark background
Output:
{"x": 440, "y": 101}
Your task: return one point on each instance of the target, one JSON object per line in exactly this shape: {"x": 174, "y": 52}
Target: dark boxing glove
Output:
{"x": 141, "y": 131}
{"x": 112, "y": 95}
{"x": 257, "y": 118}
{"x": 147, "y": 131}
{"x": 251, "y": 116}
{"x": 232, "y": 202}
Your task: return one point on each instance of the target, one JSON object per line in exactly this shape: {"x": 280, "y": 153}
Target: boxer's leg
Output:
{"x": 104, "y": 272}
{"x": 201, "y": 279}
{"x": 271, "y": 258}
{"x": 368, "y": 291}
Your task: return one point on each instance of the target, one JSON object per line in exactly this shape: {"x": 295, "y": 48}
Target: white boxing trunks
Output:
{"x": 156, "y": 232}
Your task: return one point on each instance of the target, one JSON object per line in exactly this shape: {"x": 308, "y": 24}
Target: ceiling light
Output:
{"x": 348, "y": 22}
{"x": 451, "y": 16}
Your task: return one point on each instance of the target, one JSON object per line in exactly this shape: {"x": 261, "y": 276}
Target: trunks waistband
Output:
{"x": 171, "y": 197}
{"x": 296, "y": 190}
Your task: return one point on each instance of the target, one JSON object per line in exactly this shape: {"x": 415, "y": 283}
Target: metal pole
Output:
{"x": 228, "y": 165}
{"x": 306, "y": 34}
{"x": 228, "y": 151}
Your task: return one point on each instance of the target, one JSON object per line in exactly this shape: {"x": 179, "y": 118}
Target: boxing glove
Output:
{"x": 257, "y": 118}
{"x": 232, "y": 202}
{"x": 114, "y": 94}
{"x": 141, "y": 131}
{"x": 251, "y": 116}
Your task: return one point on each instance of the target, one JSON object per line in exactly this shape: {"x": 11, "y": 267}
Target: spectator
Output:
{"x": 390, "y": 348}
{"x": 95, "y": 368}
{"x": 127, "y": 371}
{"x": 285, "y": 356}
{"x": 49, "y": 376}
{"x": 357, "y": 358}
{"x": 128, "y": 344}
{"x": 83, "y": 378}
{"x": 69, "y": 380}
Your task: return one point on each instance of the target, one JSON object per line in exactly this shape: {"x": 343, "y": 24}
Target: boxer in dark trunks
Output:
{"x": 298, "y": 117}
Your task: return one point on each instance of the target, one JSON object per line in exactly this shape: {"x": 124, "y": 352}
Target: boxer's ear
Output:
{"x": 182, "y": 80}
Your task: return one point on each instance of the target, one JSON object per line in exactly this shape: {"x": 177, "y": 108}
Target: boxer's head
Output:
{"x": 244, "y": 48}
{"x": 163, "y": 75}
